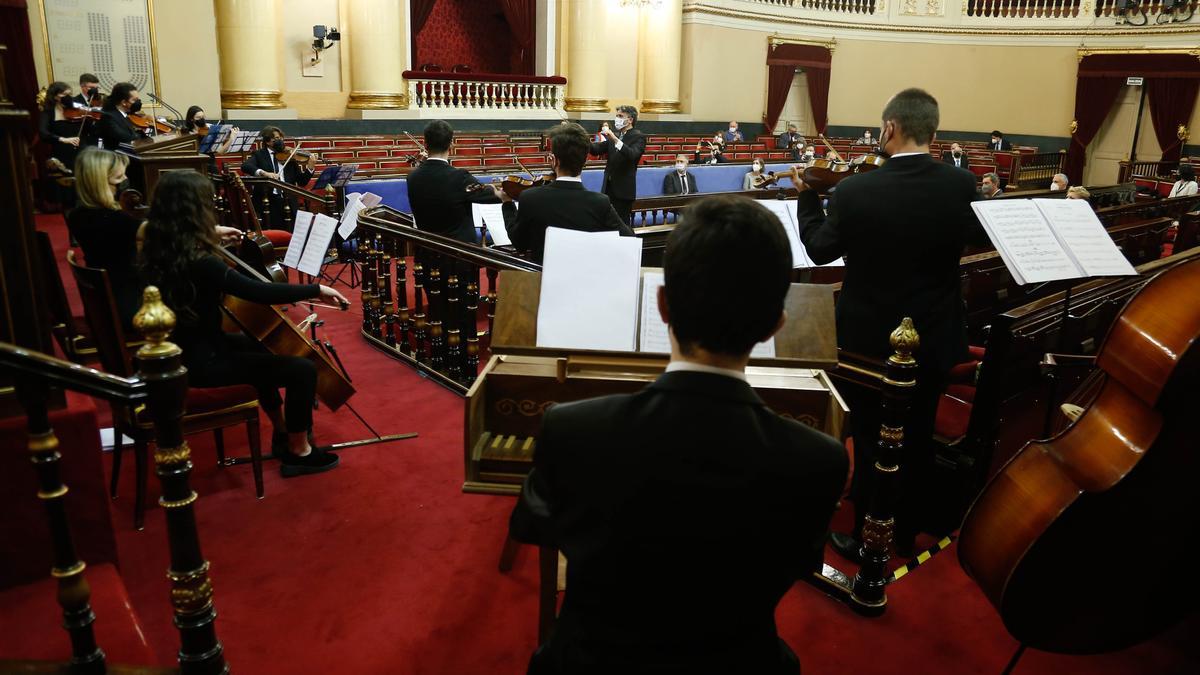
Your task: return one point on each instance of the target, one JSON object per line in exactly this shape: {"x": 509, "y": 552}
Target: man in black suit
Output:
{"x": 792, "y": 141}
{"x": 688, "y": 509}
{"x": 89, "y": 86}
{"x": 989, "y": 186}
{"x": 564, "y": 203}
{"x": 263, "y": 163}
{"x": 902, "y": 230}
{"x": 998, "y": 142}
{"x": 114, "y": 127}
{"x": 680, "y": 181}
{"x": 623, "y": 148}
{"x": 956, "y": 158}
{"x": 441, "y": 195}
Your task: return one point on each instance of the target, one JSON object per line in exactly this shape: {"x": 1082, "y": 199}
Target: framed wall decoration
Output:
{"x": 114, "y": 39}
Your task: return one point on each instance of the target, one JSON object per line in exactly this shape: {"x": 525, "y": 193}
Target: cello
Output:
{"x": 1042, "y": 540}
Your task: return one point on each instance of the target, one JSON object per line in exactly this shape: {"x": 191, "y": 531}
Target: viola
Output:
{"x": 78, "y": 114}
{"x": 514, "y": 185}
{"x": 1047, "y": 537}
{"x": 765, "y": 180}
{"x": 143, "y": 121}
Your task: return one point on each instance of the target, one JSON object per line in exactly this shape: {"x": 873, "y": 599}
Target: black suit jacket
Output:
{"x": 902, "y": 229}
{"x": 1004, "y": 145}
{"x": 673, "y": 185}
{"x": 294, "y": 172}
{"x": 964, "y": 163}
{"x": 565, "y": 204}
{"x": 686, "y": 511}
{"x": 440, "y": 201}
{"x": 620, "y": 173}
{"x": 114, "y": 129}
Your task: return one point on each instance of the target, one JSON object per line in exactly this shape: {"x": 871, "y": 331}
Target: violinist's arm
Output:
{"x": 632, "y": 146}
{"x": 212, "y": 270}
{"x": 478, "y": 196}
{"x": 822, "y": 235}
{"x": 250, "y": 167}
{"x": 599, "y": 149}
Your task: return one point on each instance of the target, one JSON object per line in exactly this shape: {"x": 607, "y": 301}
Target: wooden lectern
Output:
{"x": 521, "y": 380}
{"x": 153, "y": 156}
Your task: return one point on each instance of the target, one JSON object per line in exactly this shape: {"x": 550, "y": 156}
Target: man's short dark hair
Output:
{"x": 629, "y": 110}
{"x": 997, "y": 134}
{"x": 570, "y": 144}
{"x": 720, "y": 239}
{"x": 269, "y": 131}
{"x": 120, "y": 92}
{"x": 438, "y": 135}
{"x": 88, "y": 78}
{"x": 915, "y": 111}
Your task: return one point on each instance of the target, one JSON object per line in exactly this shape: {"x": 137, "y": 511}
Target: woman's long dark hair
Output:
{"x": 53, "y": 92}
{"x": 180, "y": 227}
{"x": 189, "y": 119}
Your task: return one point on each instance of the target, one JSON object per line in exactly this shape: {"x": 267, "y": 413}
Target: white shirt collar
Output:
{"x": 439, "y": 159}
{"x": 569, "y": 179}
{"x": 906, "y": 154}
{"x": 693, "y": 367}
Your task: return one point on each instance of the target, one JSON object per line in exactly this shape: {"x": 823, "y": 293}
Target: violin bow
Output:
{"x": 416, "y": 143}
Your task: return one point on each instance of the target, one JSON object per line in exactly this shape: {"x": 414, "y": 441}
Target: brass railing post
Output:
{"x": 160, "y": 365}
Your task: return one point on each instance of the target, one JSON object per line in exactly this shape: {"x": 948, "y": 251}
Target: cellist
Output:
{"x": 179, "y": 257}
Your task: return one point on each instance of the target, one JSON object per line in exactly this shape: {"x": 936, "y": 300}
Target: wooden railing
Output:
{"x": 1129, "y": 170}
{"x": 1038, "y": 9}
{"x": 463, "y": 92}
{"x": 1037, "y": 171}
{"x": 161, "y": 385}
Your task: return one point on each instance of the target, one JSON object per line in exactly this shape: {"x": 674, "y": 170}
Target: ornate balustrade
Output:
{"x": 1037, "y": 170}
{"x": 462, "y": 94}
{"x": 1155, "y": 11}
{"x": 1084, "y": 16}
{"x": 1037, "y": 9}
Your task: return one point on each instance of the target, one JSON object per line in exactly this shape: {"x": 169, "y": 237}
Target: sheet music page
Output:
{"x": 355, "y": 202}
{"x": 654, "y": 335}
{"x": 1084, "y": 237}
{"x": 764, "y": 350}
{"x": 300, "y": 230}
{"x": 785, "y": 210}
{"x": 493, "y": 216}
{"x": 589, "y": 297}
{"x": 1025, "y": 241}
{"x": 319, "y": 237}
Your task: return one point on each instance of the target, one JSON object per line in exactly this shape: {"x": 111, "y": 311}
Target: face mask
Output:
{"x": 758, "y": 168}
{"x": 1054, "y": 187}
{"x": 136, "y": 106}
{"x": 680, "y": 166}
{"x": 277, "y": 145}
{"x": 199, "y": 121}
{"x": 733, "y": 130}
{"x": 65, "y": 101}
{"x": 619, "y": 122}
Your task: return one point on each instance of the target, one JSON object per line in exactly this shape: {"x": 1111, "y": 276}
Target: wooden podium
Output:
{"x": 521, "y": 380}
{"x": 153, "y": 156}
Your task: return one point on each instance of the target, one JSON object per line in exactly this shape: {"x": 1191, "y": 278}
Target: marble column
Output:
{"x": 377, "y": 48}
{"x": 250, "y": 72}
{"x": 587, "y": 56}
{"x": 659, "y": 45}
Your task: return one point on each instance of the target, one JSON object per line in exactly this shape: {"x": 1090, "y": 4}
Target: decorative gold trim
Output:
{"x": 46, "y": 42}
{"x": 1085, "y": 51}
{"x": 776, "y": 19}
{"x": 179, "y": 455}
{"x": 1182, "y": 133}
{"x": 891, "y": 434}
{"x": 904, "y": 341}
{"x": 43, "y": 442}
{"x": 163, "y": 502}
{"x": 71, "y": 571}
{"x": 62, "y": 490}
{"x": 377, "y": 100}
{"x": 155, "y": 321}
{"x": 775, "y": 40}
{"x": 258, "y": 99}
{"x": 650, "y": 105}
{"x": 586, "y": 104}
{"x": 1073, "y": 127}
{"x": 149, "y": 26}
{"x": 192, "y": 590}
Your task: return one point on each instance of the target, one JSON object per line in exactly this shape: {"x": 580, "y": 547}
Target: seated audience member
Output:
{"x": 441, "y": 195}
{"x": 563, "y": 203}
{"x": 757, "y": 170}
{"x": 956, "y": 157}
{"x": 732, "y": 135}
{"x": 1059, "y": 182}
{"x": 710, "y": 151}
{"x": 266, "y": 162}
{"x": 792, "y": 141}
{"x": 990, "y": 187}
{"x": 1186, "y": 185}
{"x": 866, "y": 138}
{"x": 680, "y": 181}
{"x": 998, "y": 142}
{"x": 61, "y": 135}
{"x": 698, "y": 427}
{"x": 1078, "y": 192}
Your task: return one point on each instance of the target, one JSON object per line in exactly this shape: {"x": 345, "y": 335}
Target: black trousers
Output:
{"x": 624, "y": 208}
{"x": 247, "y": 362}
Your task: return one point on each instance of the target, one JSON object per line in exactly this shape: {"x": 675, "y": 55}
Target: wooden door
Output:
{"x": 1115, "y": 139}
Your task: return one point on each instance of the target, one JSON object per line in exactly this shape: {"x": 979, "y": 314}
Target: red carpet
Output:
{"x": 383, "y": 566}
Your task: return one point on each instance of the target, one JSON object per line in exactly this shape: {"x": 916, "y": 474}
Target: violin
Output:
{"x": 416, "y": 158}
{"x": 305, "y": 157}
{"x": 766, "y": 180}
{"x": 1046, "y": 537}
{"x": 143, "y": 121}
{"x": 78, "y": 114}
{"x": 514, "y": 185}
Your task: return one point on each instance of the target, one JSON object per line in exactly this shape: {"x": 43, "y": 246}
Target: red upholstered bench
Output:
{"x": 279, "y": 239}
{"x": 31, "y": 622}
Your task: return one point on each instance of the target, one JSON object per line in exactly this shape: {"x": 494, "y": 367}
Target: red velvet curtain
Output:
{"x": 520, "y": 17}
{"x": 1171, "y": 103}
{"x": 1094, "y": 98}
{"x": 19, "y": 71}
{"x": 782, "y": 62}
{"x": 419, "y": 11}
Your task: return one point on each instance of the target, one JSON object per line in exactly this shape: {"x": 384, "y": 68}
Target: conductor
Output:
{"x": 623, "y": 148}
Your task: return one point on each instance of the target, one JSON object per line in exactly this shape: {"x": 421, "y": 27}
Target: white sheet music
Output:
{"x": 785, "y": 210}
{"x": 493, "y": 216}
{"x": 589, "y": 295}
{"x": 1084, "y": 237}
{"x": 300, "y": 230}
{"x": 317, "y": 246}
{"x": 1025, "y": 241}
{"x": 356, "y": 202}
{"x": 653, "y": 333}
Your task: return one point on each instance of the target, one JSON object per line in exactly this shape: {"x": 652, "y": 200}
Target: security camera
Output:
{"x": 324, "y": 37}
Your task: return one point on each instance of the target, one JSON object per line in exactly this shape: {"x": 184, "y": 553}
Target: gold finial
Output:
{"x": 1182, "y": 133}
{"x": 1073, "y": 126}
{"x": 154, "y": 321}
{"x": 905, "y": 340}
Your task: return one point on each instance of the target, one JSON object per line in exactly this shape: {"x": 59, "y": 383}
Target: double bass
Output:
{"x": 1082, "y": 541}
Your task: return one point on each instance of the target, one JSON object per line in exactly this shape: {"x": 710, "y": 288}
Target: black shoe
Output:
{"x": 279, "y": 443}
{"x": 846, "y": 546}
{"x": 314, "y": 462}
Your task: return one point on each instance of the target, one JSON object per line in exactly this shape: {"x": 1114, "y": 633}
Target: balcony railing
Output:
{"x": 1037, "y": 9}
{"x": 1153, "y": 11}
{"x": 485, "y": 93}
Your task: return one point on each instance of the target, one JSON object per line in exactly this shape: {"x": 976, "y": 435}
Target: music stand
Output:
{"x": 216, "y": 134}
{"x": 243, "y": 141}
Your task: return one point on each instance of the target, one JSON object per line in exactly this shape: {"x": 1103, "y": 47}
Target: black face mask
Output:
{"x": 66, "y": 101}
{"x": 277, "y": 145}
{"x": 199, "y": 122}
{"x": 137, "y": 105}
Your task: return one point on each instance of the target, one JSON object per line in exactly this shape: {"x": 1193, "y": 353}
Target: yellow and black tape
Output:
{"x": 921, "y": 559}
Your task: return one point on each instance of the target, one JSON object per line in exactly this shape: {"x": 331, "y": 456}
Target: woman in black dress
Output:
{"x": 60, "y": 134}
{"x": 179, "y": 257}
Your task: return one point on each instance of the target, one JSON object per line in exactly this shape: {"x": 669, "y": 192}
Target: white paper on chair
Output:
{"x": 492, "y": 215}
{"x": 654, "y": 334}
{"x": 295, "y": 248}
{"x": 356, "y": 202}
{"x": 589, "y": 296}
{"x": 319, "y": 237}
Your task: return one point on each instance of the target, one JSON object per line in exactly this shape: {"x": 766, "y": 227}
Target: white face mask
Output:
{"x": 1054, "y": 187}
{"x": 680, "y": 166}
{"x": 758, "y": 168}
{"x": 619, "y": 122}
{"x": 733, "y": 130}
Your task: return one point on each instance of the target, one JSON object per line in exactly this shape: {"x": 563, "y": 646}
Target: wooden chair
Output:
{"x": 66, "y": 328}
{"x": 207, "y": 409}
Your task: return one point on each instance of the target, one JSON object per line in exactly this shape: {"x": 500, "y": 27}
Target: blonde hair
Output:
{"x": 92, "y": 170}
{"x": 1079, "y": 191}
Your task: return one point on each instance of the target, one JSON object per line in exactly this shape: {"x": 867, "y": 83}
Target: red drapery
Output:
{"x": 19, "y": 71}
{"x": 520, "y": 17}
{"x": 1171, "y": 104}
{"x": 782, "y": 62}
{"x": 419, "y": 11}
{"x": 1100, "y": 79}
